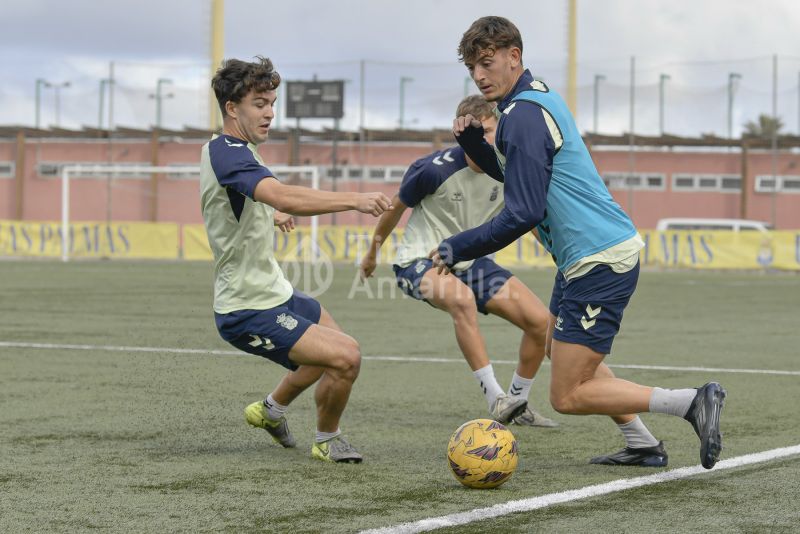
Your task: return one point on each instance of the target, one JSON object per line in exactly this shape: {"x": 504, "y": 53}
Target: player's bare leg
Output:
{"x": 295, "y": 382}
{"x": 450, "y": 294}
{"x": 581, "y": 384}
{"x": 517, "y": 304}
{"x": 601, "y": 371}
{"x": 339, "y": 356}
{"x": 574, "y": 388}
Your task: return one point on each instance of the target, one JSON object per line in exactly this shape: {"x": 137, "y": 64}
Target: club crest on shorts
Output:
{"x": 286, "y": 321}
{"x": 419, "y": 267}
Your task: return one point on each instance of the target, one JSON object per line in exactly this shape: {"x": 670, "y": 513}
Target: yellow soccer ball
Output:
{"x": 482, "y": 454}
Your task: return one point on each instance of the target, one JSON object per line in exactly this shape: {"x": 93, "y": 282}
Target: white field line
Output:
{"x": 543, "y": 501}
{"x": 419, "y": 359}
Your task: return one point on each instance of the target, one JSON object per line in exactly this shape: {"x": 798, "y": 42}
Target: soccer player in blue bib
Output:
{"x": 448, "y": 194}
{"x": 256, "y": 308}
{"x": 552, "y": 186}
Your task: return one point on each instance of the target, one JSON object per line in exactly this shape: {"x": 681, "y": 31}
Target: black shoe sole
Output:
{"x": 518, "y": 411}
{"x": 656, "y": 462}
{"x": 711, "y": 440}
{"x": 349, "y": 461}
{"x": 654, "y": 456}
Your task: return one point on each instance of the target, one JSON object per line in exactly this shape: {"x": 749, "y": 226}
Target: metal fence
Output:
{"x": 614, "y": 96}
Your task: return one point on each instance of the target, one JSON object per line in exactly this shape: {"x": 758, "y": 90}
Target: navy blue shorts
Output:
{"x": 588, "y": 309}
{"x": 484, "y": 277}
{"x": 270, "y": 333}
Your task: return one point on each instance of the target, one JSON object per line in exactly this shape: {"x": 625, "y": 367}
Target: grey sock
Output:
{"x": 326, "y": 436}
{"x": 672, "y": 401}
{"x": 636, "y": 434}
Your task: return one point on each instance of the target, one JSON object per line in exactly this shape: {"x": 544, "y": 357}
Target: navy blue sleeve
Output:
{"x": 479, "y": 151}
{"x": 235, "y": 165}
{"x": 524, "y": 139}
{"x": 425, "y": 175}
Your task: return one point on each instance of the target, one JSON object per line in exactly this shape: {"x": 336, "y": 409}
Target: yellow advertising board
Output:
{"x": 702, "y": 249}
{"x": 87, "y": 239}
{"x": 673, "y": 249}
{"x": 696, "y": 249}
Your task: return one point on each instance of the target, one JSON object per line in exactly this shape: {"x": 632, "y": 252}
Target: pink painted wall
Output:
{"x": 178, "y": 199}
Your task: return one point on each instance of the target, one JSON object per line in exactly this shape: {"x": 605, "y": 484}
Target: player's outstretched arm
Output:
{"x": 384, "y": 228}
{"x": 298, "y": 200}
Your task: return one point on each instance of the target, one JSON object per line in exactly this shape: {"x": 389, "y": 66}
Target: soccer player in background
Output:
{"x": 551, "y": 184}
{"x": 255, "y": 307}
{"x": 449, "y": 194}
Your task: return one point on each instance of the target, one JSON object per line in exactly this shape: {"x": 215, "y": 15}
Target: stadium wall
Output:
{"x": 700, "y": 182}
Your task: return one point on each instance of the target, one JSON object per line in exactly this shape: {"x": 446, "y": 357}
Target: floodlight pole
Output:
{"x": 732, "y": 77}
{"x": 57, "y": 88}
{"x": 597, "y": 79}
{"x": 103, "y": 83}
{"x": 663, "y": 78}
{"x": 403, "y": 81}
{"x": 159, "y": 97}
{"x": 40, "y": 82}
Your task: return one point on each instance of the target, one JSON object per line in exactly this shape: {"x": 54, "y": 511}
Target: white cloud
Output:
{"x": 697, "y": 43}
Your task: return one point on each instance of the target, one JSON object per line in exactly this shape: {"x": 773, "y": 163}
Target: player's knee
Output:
{"x": 348, "y": 364}
{"x": 536, "y": 328}
{"x": 562, "y": 403}
{"x": 463, "y": 308}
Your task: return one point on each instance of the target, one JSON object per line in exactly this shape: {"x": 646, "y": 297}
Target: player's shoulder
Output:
{"x": 428, "y": 173}
{"x": 227, "y": 146}
{"x": 226, "y": 151}
{"x": 527, "y": 118}
{"x": 443, "y": 162}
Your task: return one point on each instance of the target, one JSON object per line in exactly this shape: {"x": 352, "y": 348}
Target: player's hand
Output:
{"x": 284, "y": 221}
{"x": 438, "y": 262}
{"x": 367, "y": 267}
{"x": 469, "y": 124}
{"x": 374, "y": 203}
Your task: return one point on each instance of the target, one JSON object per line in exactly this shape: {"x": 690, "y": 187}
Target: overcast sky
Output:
{"x": 697, "y": 43}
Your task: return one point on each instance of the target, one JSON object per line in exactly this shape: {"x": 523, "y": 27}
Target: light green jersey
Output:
{"x": 447, "y": 198}
{"x": 241, "y": 231}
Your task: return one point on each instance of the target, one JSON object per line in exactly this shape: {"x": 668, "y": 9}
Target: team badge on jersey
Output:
{"x": 458, "y": 196}
{"x": 495, "y": 191}
{"x": 286, "y": 321}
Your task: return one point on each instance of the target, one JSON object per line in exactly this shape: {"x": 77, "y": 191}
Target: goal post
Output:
{"x": 69, "y": 172}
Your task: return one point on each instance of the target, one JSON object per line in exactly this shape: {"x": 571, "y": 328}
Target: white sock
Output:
{"x": 672, "y": 401}
{"x": 520, "y": 387}
{"x": 491, "y": 389}
{"x": 275, "y": 410}
{"x": 637, "y": 435}
{"x": 325, "y": 436}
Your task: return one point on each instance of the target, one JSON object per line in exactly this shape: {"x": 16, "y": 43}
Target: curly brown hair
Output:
{"x": 486, "y": 36}
{"x": 236, "y": 78}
